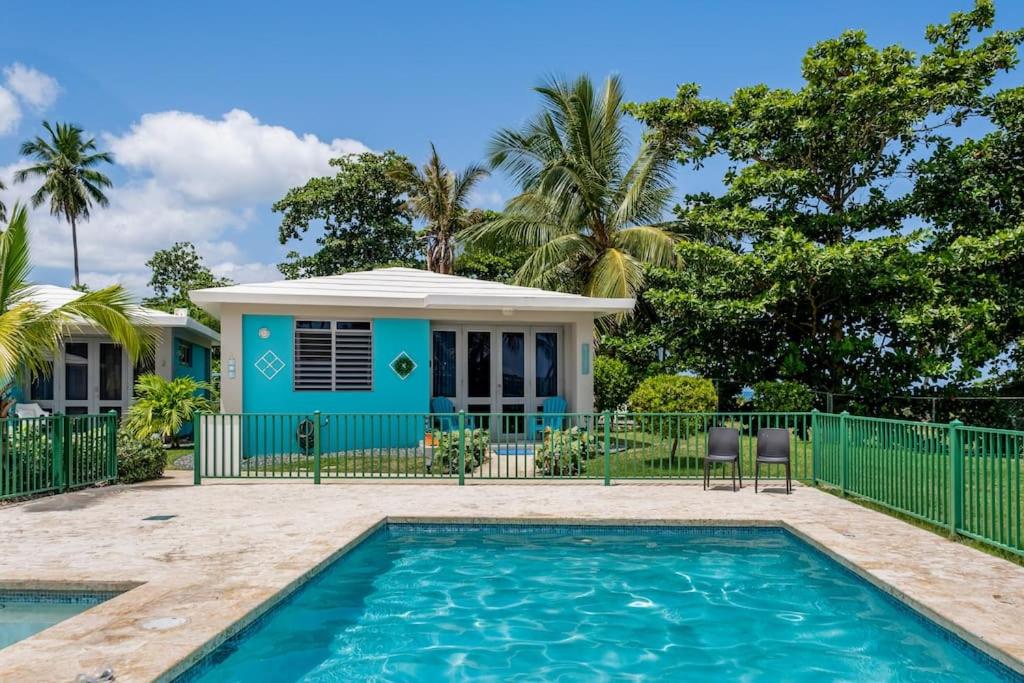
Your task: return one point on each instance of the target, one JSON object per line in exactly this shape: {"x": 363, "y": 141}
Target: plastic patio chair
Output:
{"x": 443, "y": 411}
{"x": 723, "y": 447}
{"x": 773, "y": 449}
{"x": 553, "y": 416}
{"x": 29, "y": 410}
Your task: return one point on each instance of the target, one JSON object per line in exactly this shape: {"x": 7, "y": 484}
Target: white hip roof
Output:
{"x": 49, "y": 297}
{"x": 404, "y": 288}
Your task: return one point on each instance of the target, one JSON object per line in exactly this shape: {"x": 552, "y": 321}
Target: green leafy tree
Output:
{"x": 614, "y": 381}
{"x": 674, "y": 394}
{"x": 162, "y": 407}
{"x": 803, "y": 267}
{"x": 66, "y": 162}
{"x": 366, "y": 223}
{"x": 439, "y": 195}
{"x": 590, "y": 217}
{"x": 174, "y": 273}
{"x": 782, "y": 397}
{"x": 31, "y": 335}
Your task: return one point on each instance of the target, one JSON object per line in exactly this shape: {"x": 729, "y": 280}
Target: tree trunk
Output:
{"x": 74, "y": 247}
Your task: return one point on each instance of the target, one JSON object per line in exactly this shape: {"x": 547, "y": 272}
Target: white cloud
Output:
{"x": 10, "y": 112}
{"x": 31, "y": 85}
{"x": 486, "y": 199}
{"x": 205, "y": 181}
{"x": 234, "y": 158}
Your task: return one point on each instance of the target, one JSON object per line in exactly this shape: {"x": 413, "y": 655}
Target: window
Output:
{"x": 184, "y": 354}
{"x": 444, "y": 363}
{"x": 546, "y": 364}
{"x": 333, "y": 355}
{"x": 41, "y": 386}
{"x": 76, "y": 371}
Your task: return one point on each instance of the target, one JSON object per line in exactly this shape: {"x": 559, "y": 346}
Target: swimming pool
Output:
{"x": 444, "y": 602}
{"x": 25, "y": 613}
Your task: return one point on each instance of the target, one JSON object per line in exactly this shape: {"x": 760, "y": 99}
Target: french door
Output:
{"x": 491, "y": 370}
{"x": 90, "y": 376}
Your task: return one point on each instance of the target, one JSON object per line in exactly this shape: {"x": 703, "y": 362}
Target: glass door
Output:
{"x": 480, "y": 393}
{"x": 77, "y": 365}
{"x": 512, "y": 385}
{"x": 111, "y": 378}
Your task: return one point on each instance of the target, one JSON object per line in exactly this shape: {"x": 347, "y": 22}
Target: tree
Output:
{"x": 591, "y": 221}
{"x": 366, "y": 223}
{"x": 176, "y": 272}
{"x": 3, "y": 208}
{"x": 497, "y": 263}
{"x": 31, "y": 335}
{"x": 812, "y": 272}
{"x": 66, "y": 163}
{"x": 439, "y": 195}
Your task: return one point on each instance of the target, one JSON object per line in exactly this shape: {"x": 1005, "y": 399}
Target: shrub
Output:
{"x": 446, "y": 449}
{"x": 674, "y": 394}
{"x": 564, "y": 452}
{"x": 139, "y": 459}
{"x": 614, "y": 381}
{"x": 782, "y": 397}
{"x": 163, "y": 407}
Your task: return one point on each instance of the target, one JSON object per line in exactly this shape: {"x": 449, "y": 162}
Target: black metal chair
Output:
{"x": 723, "y": 447}
{"x": 772, "y": 449}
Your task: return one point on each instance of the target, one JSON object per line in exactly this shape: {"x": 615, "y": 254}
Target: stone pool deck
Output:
{"x": 232, "y": 547}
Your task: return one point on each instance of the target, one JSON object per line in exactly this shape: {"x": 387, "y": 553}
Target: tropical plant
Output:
{"x": 31, "y": 335}
{"x": 66, "y": 163}
{"x": 782, "y": 397}
{"x": 3, "y": 207}
{"x": 139, "y": 459}
{"x": 446, "y": 449}
{"x": 162, "y": 407}
{"x": 593, "y": 220}
{"x": 439, "y": 195}
{"x": 564, "y": 452}
{"x": 614, "y": 381}
{"x": 674, "y": 394}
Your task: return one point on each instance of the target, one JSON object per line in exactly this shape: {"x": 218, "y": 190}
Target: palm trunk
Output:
{"x": 74, "y": 247}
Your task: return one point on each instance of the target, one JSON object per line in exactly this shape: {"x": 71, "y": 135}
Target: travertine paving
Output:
{"x": 231, "y": 548}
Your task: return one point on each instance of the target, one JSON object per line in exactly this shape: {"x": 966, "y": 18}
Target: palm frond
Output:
{"x": 113, "y": 310}
{"x": 550, "y": 263}
{"x": 616, "y": 274}
{"x": 15, "y": 261}
{"x": 648, "y": 243}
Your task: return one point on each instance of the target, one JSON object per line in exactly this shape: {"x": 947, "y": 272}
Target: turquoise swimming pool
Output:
{"x": 568, "y": 603}
{"x": 26, "y": 613}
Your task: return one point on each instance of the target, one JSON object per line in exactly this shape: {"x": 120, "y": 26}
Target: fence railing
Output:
{"x": 575, "y": 446}
{"x": 967, "y": 479}
{"x": 56, "y": 453}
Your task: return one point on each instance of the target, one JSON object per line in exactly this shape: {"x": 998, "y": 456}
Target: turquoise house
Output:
{"x": 92, "y": 374}
{"x": 387, "y": 341}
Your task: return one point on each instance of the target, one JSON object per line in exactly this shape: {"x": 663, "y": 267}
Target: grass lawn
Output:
{"x": 175, "y": 453}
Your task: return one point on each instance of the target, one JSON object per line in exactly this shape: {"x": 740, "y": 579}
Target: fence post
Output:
{"x": 815, "y": 453}
{"x": 607, "y": 417}
{"x": 844, "y": 439}
{"x": 317, "y": 447}
{"x": 67, "y": 450}
{"x": 197, "y": 471}
{"x": 462, "y": 448}
{"x": 57, "y": 451}
{"x": 112, "y": 444}
{"x": 956, "y": 478}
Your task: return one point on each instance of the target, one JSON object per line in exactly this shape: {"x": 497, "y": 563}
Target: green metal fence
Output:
{"x": 967, "y": 479}
{"x": 572, "y": 446}
{"x": 56, "y": 453}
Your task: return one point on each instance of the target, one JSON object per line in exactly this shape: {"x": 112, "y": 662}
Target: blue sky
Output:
{"x": 214, "y": 109}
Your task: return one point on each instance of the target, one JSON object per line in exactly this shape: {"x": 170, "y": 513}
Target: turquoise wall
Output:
{"x": 199, "y": 370}
{"x": 390, "y": 393}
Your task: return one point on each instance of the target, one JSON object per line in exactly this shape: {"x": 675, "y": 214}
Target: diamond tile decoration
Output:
{"x": 269, "y": 364}
{"x": 403, "y": 365}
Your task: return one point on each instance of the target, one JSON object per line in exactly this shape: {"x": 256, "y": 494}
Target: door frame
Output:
{"x": 531, "y": 402}
{"x": 92, "y": 404}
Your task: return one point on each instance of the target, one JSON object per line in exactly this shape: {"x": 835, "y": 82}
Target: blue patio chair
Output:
{"x": 553, "y": 416}
{"x": 443, "y": 411}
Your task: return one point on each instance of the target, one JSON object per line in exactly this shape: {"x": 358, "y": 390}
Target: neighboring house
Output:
{"x": 388, "y": 340}
{"x": 92, "y": 374}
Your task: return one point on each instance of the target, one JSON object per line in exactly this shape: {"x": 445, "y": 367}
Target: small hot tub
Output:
{"x": 26, "y": 613}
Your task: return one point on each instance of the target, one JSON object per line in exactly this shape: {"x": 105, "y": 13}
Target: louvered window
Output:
{"x": 333, "y": 355}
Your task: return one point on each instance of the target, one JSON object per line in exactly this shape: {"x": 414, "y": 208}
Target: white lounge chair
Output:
{"x": 28, "y": 410}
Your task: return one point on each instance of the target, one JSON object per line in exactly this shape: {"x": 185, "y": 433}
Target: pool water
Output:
{"x": 24, "y": 614}
{"x": 432, "y": 603}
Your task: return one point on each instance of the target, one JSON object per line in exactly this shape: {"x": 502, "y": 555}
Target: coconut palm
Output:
{"x": 591, "y": 218}
{"x": 30, "y": 335}
{"x": 3, "y": 209}
{"x": 439, "y": 196}
{"x": 65, "y": 162}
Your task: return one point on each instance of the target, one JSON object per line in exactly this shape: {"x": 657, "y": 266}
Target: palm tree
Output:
{"x": 30, "y": 335}
{"x": 591, "y": 220}
{"x": 439, "y": 195}
{"x": 3, "y": 209}
{"x": 65, "y": 162}
{"x": 162, "y": 406}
